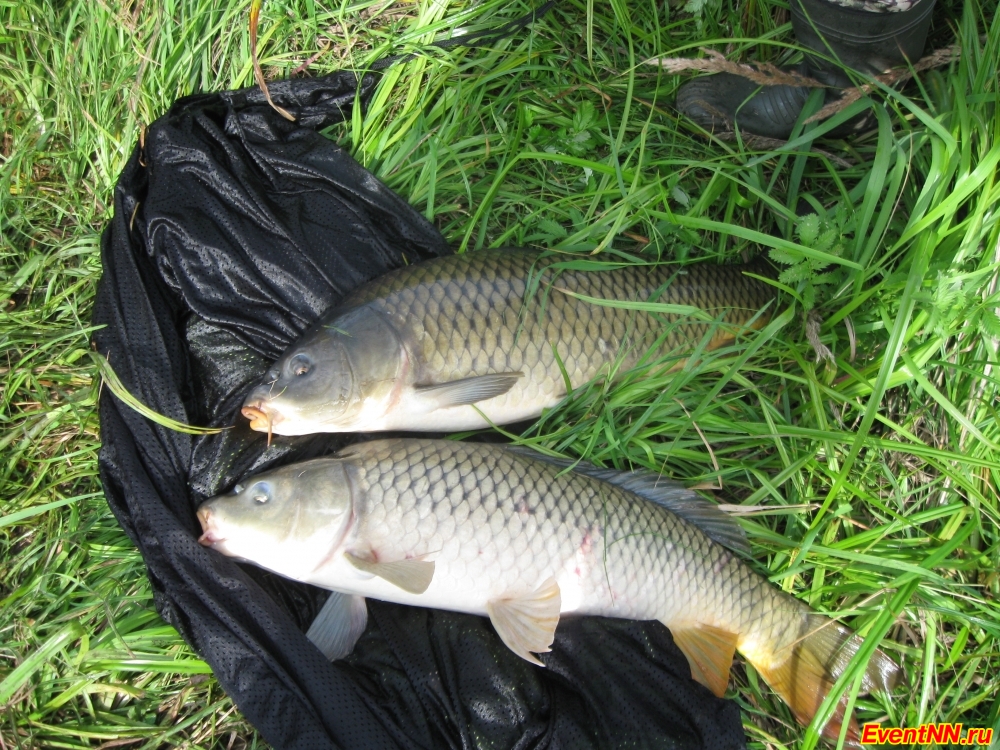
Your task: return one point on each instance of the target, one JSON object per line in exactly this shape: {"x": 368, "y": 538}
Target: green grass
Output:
{"x": 871, "y": 481}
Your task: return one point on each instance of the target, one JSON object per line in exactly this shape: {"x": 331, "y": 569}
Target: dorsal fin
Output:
{"x": 675, "y": 497}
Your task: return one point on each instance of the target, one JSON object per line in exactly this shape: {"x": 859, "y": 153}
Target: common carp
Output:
{"x": 522, "y": 538}
{"x": 461, "y": 341}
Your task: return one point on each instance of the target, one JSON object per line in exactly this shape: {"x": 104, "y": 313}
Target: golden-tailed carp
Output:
{"x": 461, "y": 341}
{"x": 515, "y": 536}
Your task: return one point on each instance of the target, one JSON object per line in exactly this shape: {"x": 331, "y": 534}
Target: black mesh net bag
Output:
{"x": 233, "y": 230}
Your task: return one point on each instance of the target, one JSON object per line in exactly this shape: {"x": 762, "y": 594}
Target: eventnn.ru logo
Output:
{"x": 939, "y": 734}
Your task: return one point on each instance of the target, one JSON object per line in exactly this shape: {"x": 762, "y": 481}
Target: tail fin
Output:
{"x": 803, "y": 671}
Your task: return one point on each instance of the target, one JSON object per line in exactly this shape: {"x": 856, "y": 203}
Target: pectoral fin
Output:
{"x": 467, "y": 390}
{"x": 528, "y": 624}
{"x": 709, "y": 651}
{"x": 413, "y": 576}
{"x": 338, "y": 625}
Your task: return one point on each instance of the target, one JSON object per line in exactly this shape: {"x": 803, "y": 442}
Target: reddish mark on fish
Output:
{"x": 587, "y": 544}
{"x": 521, "y": 505}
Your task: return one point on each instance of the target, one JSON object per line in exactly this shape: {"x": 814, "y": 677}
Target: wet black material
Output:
{"x": 234, "y": 230}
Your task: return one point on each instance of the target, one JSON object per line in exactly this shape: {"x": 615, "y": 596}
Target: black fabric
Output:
{"x": 233, "y": 230}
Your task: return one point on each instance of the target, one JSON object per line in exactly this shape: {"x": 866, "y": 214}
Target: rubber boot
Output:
{"x": 861, "y": 40}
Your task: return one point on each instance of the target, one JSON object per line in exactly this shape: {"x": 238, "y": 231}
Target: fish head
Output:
{"x": 337, "y": 378}
{"x": 288, "y": 520}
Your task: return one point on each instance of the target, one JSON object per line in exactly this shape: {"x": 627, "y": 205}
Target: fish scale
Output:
{"x": 471, "y": 316}
{"x": 549, "y": 513}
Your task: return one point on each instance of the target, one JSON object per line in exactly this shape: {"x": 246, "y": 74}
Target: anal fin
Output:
{"x": 413, "y": 576}
{"x": 528, "y": 624}
{"x": 338, "y": 625}
{"x": 709, "y": 651}
{"x": 467, "y": 390}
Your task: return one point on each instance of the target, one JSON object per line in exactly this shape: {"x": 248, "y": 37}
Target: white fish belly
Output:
{"x": 463, "y": 582}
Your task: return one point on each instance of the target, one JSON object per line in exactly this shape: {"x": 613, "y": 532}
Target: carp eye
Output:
{"x": 260, "y": 493}
{"x": 300, "y": 365}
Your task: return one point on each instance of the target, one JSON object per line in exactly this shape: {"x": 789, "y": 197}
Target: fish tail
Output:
{"x": 803, "y": 670}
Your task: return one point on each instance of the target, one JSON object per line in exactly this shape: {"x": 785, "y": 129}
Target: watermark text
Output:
{"x": 937, "y": 734}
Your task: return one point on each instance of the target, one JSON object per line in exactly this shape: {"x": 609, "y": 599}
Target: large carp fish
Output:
{"x": 493, "y": 336}
{"x": 522, "y": 539}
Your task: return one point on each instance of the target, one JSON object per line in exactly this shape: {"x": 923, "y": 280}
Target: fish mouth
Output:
{"x": 260, "y": 420}
{"x": 210, "y": 536}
